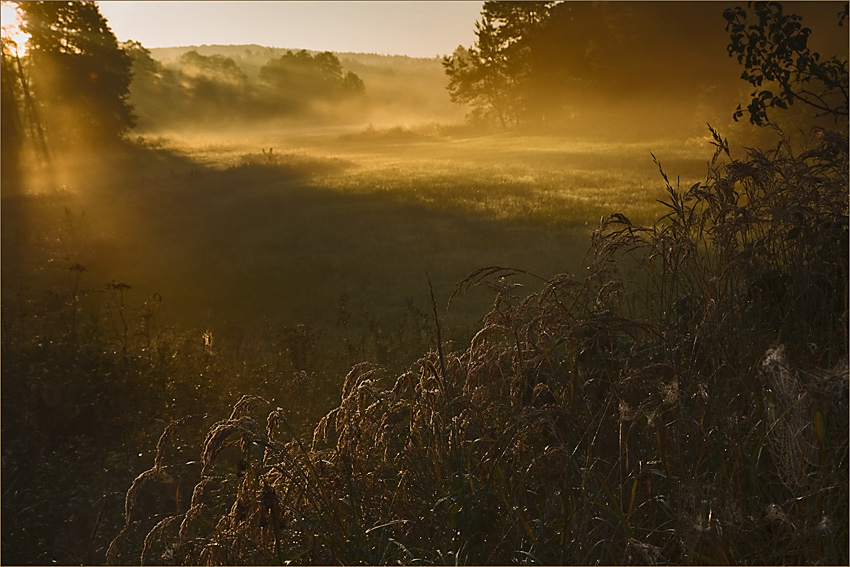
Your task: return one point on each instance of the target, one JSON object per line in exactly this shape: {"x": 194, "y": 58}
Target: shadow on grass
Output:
{"x": 257, "y": 255}
{"x": 260, "y": 239}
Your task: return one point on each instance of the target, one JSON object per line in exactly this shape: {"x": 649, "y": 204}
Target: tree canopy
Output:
{"x": 778, "y": 62}
{"x": 304, "y": 76}
{"x": 80, "y": 76}
{"x": 12, "y": 133}
{"x": 532, "y": 60}
{"x": 495, "y": 74}
{"x": 544, "y": 62}
{"x": 202, "y": 88}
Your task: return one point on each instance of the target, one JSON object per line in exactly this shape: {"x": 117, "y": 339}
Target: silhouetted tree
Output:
{"x": 573, "y": 50}
{"x": 213, "y": 67}
{"x": 80, "y": 76}
{"x": 215, "y": 87}
{"x": 478, "y": 77}
{"x": 773, "y": 48}
{"x": 304, "y": 77}
{"x": 353, "y": 84}
{"x": 532, "y": 61}
{"x": 588, "y": 42}
{"x": 11, "y": 119}
{"x": 515, "y": 29}
{"x": 154, "y": 91}
{"x": 195, "y": 90}
{"x": 470, "y": 82}
{"x": 495, "y": 74}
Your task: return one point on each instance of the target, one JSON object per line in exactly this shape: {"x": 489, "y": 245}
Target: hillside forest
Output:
{"x": 574, "y": 293}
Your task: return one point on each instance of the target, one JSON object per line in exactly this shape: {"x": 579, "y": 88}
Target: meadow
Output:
{"x": 225, "y": 232}
{"x": 271, "y": 262}
{"x": 302, "y": 278}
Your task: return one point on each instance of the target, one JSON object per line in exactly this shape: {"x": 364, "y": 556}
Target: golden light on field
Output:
{"x": 10, "y": 16}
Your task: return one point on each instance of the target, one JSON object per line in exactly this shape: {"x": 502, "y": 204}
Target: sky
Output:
{"x": 417, "y": 29}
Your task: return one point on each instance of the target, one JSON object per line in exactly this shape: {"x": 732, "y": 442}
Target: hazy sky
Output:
{"x": 420, "y": 29}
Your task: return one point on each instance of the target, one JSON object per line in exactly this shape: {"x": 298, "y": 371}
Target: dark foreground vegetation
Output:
{"x": 680, "y": 396}
{"x": 685, "y": 401}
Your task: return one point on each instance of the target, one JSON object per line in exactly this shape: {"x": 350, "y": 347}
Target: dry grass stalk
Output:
{"x": 156, "y": 533}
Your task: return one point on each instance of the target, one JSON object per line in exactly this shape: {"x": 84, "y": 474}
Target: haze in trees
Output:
{"x": 65, "y": 88}
{"x": 301, "y": 75}
{"x": 79, "y": 75}
{"x": 552, "y": 64}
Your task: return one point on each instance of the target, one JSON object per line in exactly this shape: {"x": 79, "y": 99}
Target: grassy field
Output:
{"x": 231, "y": 236}
{"x": 146, "y": 291}
{"x": 252, "y": 272}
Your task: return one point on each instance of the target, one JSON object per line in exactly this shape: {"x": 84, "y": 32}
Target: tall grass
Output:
{"x": 684, "y": 401}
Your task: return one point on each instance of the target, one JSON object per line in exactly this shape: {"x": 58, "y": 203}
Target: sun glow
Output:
{"x": 10, "y": 16}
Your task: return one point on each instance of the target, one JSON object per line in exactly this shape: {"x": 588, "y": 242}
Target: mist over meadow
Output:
{"x": 574, "y": 293}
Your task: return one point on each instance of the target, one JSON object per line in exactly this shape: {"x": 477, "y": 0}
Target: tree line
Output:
{"x": 215, "y": 90}
{"x": 534, "y": 63}
{"x": 74, "y": 83}
{"x": 68, "y": 86}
